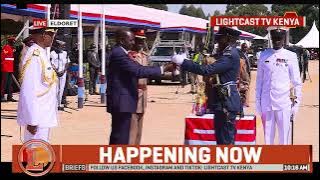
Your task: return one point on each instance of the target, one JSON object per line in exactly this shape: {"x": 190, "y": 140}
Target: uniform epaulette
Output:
{"x": 36, "y": 52}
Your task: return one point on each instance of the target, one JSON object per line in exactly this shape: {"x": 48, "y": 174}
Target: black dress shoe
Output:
{"x": 61, "y": 108}
{"x": 3, "y": 100}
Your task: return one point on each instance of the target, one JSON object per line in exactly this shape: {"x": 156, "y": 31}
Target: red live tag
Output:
{"x": 39, "y": 23}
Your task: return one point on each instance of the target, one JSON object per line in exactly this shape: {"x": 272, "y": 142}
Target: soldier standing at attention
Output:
{"x": 277, "y": 69}
{"x": 7, "y": 69}
{"x": 37, "y": 107}
{"x": 140, "y": 56}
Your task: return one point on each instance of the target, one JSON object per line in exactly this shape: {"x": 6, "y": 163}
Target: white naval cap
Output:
{"x": 60, "y": 42}
{"x": 37, "y": 30}
{"x": 271, "y": 28}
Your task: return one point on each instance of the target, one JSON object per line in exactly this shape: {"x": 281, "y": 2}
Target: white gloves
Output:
{"x": 179, "y": 58}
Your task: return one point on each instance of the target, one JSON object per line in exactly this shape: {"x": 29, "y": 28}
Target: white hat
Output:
{"x": 270, "y": 28}
{"x": 35, "y": 30}
{"x": 60, "y": 42}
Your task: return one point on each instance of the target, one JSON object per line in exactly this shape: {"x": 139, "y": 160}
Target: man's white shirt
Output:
{"x": 59, "y": 60}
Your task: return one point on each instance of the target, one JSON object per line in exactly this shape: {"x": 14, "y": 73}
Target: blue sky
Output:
{"x": 207, "y": 8}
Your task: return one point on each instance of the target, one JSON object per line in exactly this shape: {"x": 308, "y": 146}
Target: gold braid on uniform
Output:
{"x": 36, "y": 52}
{"x": 24, "y": 68}
{"x": 45, "y": 79}
{"x": 43, "y": 67}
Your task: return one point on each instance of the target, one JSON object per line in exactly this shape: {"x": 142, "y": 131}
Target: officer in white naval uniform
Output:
{"x": 37, "y": 107}
{"x": 60, "y": 60}
{"x": 278, "y": 70}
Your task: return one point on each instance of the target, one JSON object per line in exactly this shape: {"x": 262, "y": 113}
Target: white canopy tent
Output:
{"x": 311, "y": 40}
{"x": 126, "y": 15}
{"x": 167, "y": 19}
{"x": 260, "y": 37}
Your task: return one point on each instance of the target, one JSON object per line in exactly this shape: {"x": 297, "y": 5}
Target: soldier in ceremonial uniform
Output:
{"x": 37, "y": 107}
{"x": 7, "y": 69}
{"x": 226, "y": 100}
{"x": 277, "y": 69}
{"x": 140, "y": 56}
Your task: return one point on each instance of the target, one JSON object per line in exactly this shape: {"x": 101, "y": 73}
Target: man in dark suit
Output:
{"x": 226, "y": 106}
{"x": 122, "y": 80}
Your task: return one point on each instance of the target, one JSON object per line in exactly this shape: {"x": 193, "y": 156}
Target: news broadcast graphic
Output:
{"x": 172, "y": 158}
{"x": 290, "y": 19}
{"x": 63, "y": 23}
{"x": 36, "y": 158}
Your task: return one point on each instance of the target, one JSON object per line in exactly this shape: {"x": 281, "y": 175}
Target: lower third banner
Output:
{"x": 37, "y": 158}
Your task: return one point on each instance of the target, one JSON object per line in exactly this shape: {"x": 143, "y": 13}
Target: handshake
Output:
{"x": 176, "y": 59}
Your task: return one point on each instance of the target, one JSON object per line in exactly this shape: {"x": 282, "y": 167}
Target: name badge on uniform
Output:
{"x": 267, "y": 61}
{"x": 49, "y": 68}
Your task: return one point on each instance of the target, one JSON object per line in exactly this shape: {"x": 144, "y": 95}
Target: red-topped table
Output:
{"x": 200, "y": 130}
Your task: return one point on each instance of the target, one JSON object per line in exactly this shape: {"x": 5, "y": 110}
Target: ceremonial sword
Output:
{"x": 292, "y": 97}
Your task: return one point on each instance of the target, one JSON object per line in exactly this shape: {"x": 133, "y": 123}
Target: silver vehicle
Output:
{"x": 162, "y": 54}
{"x": 164, "y": 48}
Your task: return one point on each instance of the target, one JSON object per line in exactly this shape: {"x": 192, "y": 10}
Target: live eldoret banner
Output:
{"x": 42, "y": 158}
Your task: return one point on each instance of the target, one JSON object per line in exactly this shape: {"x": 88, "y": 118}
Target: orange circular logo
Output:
{"x": 36, "y": 157}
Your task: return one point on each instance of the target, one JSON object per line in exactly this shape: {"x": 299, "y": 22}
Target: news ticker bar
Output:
{"x": 163, "y": 158}
{"x": 187, "y": 167}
